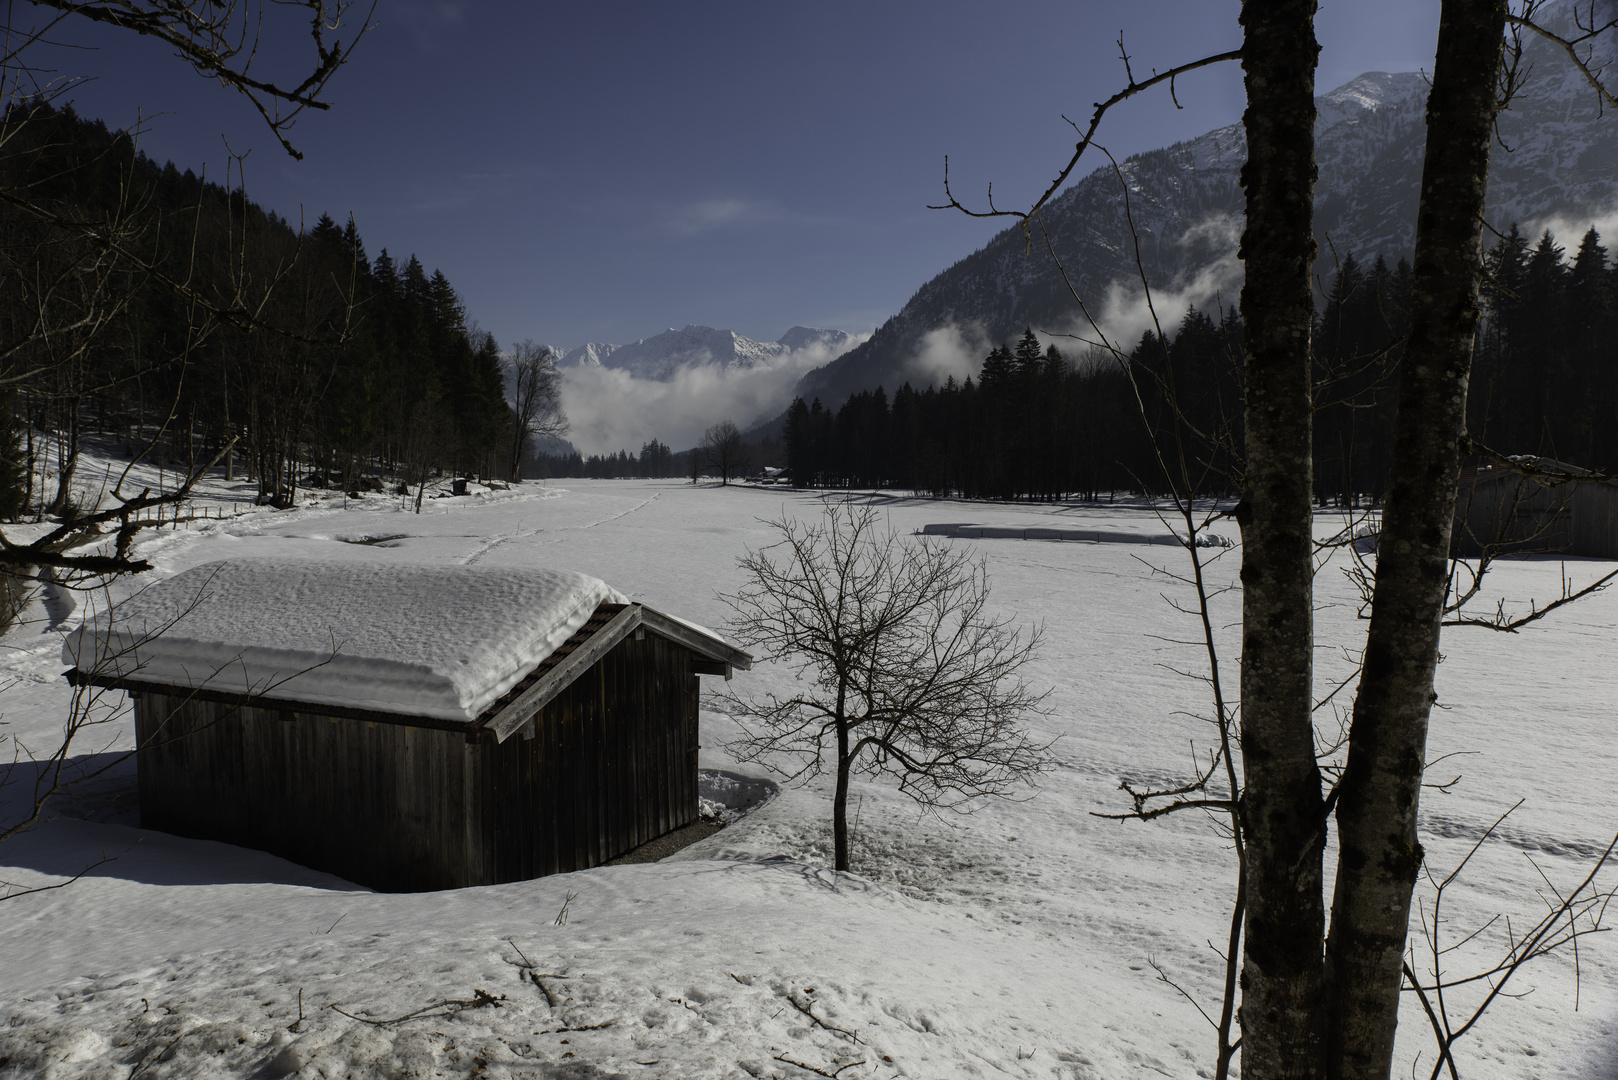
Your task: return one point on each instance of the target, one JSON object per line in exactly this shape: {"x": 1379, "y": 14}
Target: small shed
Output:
{"x": 407, "y": 727}
{"x": 1530, "y": 510}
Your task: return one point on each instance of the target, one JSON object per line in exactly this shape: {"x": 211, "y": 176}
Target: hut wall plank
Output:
{"x": 1595, "y": 520}
{"x": 373, "y": 803}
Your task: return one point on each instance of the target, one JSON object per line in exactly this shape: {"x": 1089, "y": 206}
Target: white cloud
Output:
{"x": 708, "y": 214}
{"x": 1570, "y": 229}
{"x": 1124, "y": 313}
{"x": 610, "y": 410}
{"x": 951, "y": 350}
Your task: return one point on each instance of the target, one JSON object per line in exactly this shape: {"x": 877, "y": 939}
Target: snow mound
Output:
{"x": 725, "y": 796}
{"x": 434, "y": 641}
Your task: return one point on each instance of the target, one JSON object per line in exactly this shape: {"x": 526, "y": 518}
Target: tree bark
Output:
{"x": 69, "y": 448}
{"x": 839, "y": 807}
{"x": 1380, "y": 788}
{"x": 1282, "y": 1013}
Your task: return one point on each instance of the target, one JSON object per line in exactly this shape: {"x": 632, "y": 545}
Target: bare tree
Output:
{"x": 722, "y": 449}
{"x": 902, "y": 668}
{"x": 537, "y": 405}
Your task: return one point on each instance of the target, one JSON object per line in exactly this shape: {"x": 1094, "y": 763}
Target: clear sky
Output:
{"x": 601, "y": 171}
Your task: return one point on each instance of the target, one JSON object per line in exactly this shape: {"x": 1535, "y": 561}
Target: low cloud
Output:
{"x": 1125, "y": 312}
{"x": 610, "y": 410}
{"x": 1569, "y": 229}
{"x": 951, "y": 351}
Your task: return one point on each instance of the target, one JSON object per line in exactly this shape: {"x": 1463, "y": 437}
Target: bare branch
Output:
{"x": 1086, "y": 139}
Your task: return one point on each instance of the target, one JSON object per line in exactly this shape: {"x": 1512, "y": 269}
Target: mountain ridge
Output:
{"x": 1186, "y": 207}
{"x": 662, "y": 357}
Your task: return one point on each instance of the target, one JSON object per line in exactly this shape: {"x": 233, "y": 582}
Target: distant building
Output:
{"x": 404, "y": 726}
{"x": 1525, "y": 512}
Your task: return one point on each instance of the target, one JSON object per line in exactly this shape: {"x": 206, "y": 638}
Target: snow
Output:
{"x": 439, "y": 641}
{"x": 662, "y": 356}
{"x": 1013, "y": 942}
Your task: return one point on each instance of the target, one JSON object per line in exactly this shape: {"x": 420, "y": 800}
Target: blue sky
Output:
{"x": 602, "y": 171}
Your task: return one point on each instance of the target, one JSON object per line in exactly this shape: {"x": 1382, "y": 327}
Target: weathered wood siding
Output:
{"x": 1595, "y": 520}
{"x": 1516, "y": 515}
{"x": 612, "y": 764}
{"x": 385, "y": 805}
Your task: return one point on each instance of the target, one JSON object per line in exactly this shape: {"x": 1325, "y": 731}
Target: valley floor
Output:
{"x": 1016, "y": 941}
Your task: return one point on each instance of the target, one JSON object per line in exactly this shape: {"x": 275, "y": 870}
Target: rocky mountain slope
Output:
{"x": 1558, "y": 166}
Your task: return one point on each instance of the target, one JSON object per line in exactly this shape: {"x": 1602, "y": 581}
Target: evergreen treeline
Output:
{"x": 1040, "y": 425}
{"x": 217, "y": 318}
{"x": 655, "y": 460}
{"x": 1545, "y": 380}
{"x": 1033, "y": 425}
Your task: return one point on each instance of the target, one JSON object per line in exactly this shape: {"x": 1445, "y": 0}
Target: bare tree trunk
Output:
{"x": 69, "y": 449}
{"x": 1379, "y": 792}
{"x": 1283, "y": 998}
{"x": 28, "y": 431}
{"x": 839, "y": 805}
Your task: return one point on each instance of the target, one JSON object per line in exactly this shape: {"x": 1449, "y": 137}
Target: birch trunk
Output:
{"x": 1379, "y": 793}
{"x": 1282, "y": 1012}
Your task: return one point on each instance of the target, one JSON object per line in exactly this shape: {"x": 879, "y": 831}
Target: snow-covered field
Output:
{"x": 1016, "y": 941}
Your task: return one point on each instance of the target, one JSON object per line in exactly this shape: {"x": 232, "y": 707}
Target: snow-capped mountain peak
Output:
{"x": 591, "y": 354}
{"x": 662, "y": 356}
{"x": 806, "y": 337}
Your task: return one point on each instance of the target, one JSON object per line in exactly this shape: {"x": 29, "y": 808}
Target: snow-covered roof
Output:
{"x": 419, "y": 640}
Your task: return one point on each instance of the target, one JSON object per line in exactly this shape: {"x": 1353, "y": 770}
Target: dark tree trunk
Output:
{"x": 69, "y": 460}
{"x": 1283, "y": 1004}
{"x": 839, "y": 808}
{"x": 1378, "y": 795}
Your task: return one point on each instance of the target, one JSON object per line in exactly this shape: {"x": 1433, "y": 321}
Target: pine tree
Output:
{"x": 797, "y": 432}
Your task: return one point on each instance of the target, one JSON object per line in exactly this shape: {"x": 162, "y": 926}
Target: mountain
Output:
{"x": 832, "y": 342}
{"x": 590, "y": 354}
{"x": 661, "y": 357}
{"x": 1560, "y": 166}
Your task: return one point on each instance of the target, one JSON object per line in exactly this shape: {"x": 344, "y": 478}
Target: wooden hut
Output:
{"x": 1518, "y": 512}
{"x": 474, "y": 740}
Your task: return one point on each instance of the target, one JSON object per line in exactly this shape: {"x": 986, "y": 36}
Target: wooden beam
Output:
{"x": 703, "y": 666}
{"x": 695, "y": 640}
{"x": 557, "y": 679}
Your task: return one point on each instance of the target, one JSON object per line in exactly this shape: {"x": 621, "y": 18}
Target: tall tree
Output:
{"x": 1380, "y": 789}
{"x": 1283, "y": 971}
{"x": 537, "y": 405}
{"x": 722, "y": 449}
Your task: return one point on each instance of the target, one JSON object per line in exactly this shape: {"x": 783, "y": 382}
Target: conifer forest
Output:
{"x": 1044, "y": 424}
{"x": 138, "y": 299}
